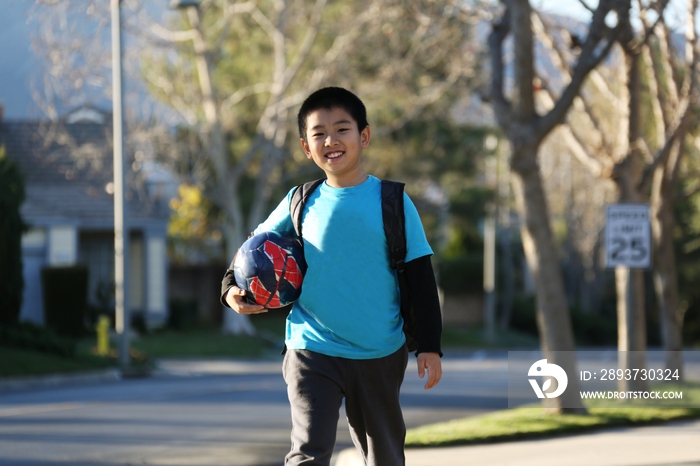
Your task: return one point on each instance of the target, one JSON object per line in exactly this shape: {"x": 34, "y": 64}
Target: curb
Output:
{"x": 21, "y": 383}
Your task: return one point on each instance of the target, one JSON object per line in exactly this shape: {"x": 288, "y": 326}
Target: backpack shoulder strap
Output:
{"x": 299, "y": 197}
{"x": 394, "y": 222}
{"x": 395, "y": 231}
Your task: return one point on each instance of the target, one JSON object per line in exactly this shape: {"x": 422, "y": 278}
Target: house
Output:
{"x": 69, "y": 208}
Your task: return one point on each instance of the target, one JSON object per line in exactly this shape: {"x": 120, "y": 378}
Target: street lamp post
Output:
{"x": 121, "y": 232}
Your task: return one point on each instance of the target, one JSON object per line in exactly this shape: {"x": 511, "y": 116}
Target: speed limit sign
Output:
{"x": 628, "y": 236}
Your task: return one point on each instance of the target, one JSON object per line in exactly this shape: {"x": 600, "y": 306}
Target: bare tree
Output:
{"x": 642, "y": 164}
{"x": 674, "y": 112}
{"x": 525, "y": 130}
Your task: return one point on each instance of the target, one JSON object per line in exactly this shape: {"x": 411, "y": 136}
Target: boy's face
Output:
{"x": 335, "y": 144}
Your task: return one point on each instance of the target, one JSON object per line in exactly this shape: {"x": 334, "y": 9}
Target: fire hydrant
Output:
{"x": 102, "y": 329}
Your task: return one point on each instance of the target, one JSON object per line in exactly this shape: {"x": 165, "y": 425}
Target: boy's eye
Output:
{"x": 342, "y": 130}
{"x": 315, "y": 135}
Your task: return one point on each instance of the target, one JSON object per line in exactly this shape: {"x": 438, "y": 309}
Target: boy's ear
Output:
{"x": 365, "y": 136}
{"x": 305, "y": 147}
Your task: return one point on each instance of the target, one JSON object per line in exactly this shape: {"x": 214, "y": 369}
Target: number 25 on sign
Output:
{"x": 628, "y": 236}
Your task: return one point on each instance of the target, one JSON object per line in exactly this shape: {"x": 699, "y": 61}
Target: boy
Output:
{"x": 344, "y": 335}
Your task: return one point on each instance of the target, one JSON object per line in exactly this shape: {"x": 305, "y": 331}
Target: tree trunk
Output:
{"x": 665, "y": 273}
{"x": 215, "y": 143}
{"x": 629, "y": 284}
{"x": 235, "y": 323}
{"x": 553, "y": 320}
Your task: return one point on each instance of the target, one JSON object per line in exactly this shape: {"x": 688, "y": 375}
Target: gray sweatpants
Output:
{"x": 316, "y": 386}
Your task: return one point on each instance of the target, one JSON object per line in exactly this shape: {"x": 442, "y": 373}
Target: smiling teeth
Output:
{"x": 334, "y": 155}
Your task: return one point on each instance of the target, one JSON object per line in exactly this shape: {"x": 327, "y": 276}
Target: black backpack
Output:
{"x": 395, "y": 231}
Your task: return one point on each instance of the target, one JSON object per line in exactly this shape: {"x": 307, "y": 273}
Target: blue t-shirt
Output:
{"x": 349, "y": 305}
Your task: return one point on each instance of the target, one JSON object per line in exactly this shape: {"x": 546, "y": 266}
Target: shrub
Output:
{"x": 33, "y": 337}
{"x": 11, "y": 228}
{"x": 183, "y": 313}
{"x": 65, "y": 291}
{"x": 462, "y": 274}
{"x": 589, "y": 329}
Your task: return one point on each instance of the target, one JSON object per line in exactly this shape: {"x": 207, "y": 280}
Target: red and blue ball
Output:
{"x": 270, "y": 267}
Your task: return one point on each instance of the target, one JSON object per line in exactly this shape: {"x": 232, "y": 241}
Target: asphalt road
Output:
{"x": 208, "y": 413}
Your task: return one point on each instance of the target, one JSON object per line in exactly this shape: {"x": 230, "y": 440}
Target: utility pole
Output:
{"x": 490, "y": 232}
{"x": 121, "y": 232}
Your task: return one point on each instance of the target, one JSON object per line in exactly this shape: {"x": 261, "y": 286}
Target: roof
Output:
{"x": 68, "y": 168}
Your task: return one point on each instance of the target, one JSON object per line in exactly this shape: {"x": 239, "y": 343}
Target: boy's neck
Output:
{"x": 348, "y": 181}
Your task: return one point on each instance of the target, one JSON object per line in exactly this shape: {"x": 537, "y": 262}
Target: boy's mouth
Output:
{"x": 334, "y": 155}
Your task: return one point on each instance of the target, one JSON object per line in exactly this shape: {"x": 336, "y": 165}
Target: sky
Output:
{"x": 675, "y": 10}
{"x": 20, "y": 69}
{"x": 17, "y": 62}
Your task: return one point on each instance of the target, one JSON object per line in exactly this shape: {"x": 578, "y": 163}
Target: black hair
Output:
{"x": 332, "y": 97}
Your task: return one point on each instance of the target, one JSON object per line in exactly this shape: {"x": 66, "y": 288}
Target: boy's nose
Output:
{"x": 330, "y": 140}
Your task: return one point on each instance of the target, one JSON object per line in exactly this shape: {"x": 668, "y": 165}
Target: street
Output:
{"x": 209, "y": 413}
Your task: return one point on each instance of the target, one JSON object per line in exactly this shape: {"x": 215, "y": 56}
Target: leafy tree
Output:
{"x": 236, "y": 71}
{"x": 687, "y": 241}
{"x": 11, "y": 228}
{"x": 240, "y": 79}
{"x": 193, "y": 232}
{"x": 438, "y": 158}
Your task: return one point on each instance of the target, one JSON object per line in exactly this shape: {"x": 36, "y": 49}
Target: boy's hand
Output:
{"x": 431, "y": 362}
{"x": 234, "y": 298}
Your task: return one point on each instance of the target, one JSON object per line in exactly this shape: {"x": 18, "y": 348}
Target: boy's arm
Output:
{"x": 426, "y": 304}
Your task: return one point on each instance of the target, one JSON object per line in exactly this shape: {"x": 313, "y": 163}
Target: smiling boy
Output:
{"x": 344, "y": 335}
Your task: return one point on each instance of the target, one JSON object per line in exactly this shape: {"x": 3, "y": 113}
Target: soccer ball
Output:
{"x": 271, "y": 268}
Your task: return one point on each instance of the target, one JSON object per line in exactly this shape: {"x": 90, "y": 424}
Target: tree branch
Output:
{"x": 658, "y": 102}
{"x": 278, "y": 42}
{"x": 586, "y": 6}
{"x": 229, "y": 12}
{"x": 373, "y": 12}
{"x": 425, "y": 99}
{"x": 559, "y": 61}
{"x": 586, "y": 62}
{"x": 244, "y": 92}
{"x": 649, "y": 30}
{"x": 307, "y": 43}
{"x": 498, "y": 35}
{"x": 682, "y": 119}
{"x": 573, "y": 141}
{"x": 684, "y": 109}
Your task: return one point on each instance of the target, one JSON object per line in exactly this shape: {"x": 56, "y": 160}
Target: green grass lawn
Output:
{"x": 211, "y": 342}
{"x": 533, "y": 422}
{"x": 203, "y": 343}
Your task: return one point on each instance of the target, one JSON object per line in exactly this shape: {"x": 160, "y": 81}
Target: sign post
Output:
{"x": 628, "y": 247}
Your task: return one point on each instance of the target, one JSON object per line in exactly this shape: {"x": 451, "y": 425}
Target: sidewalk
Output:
{"x": 675, "y": 443}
